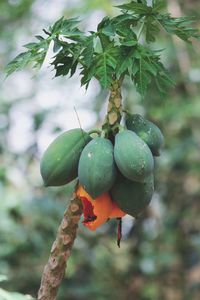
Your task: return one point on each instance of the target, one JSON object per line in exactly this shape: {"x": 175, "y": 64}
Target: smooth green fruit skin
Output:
{"x": 132, "y": 197}
{"x": 132, "y": 156}
{"x": 59, "y": 164}
{"x": 97, "y": 170}
{"x": 147, "y": 131}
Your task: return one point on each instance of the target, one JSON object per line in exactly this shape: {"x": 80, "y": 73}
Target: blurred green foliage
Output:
{"x": 159, "y": 256}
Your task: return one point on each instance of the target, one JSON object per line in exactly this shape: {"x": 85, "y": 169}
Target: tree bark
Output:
{"x": 54, "y": 270}
{"x": 114, "y": 110}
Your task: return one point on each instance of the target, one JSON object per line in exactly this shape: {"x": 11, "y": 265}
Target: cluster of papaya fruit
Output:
{"x": 114, "y": 178}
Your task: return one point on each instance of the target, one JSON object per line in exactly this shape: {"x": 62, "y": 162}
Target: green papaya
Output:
{"x": 132, "y": 156}
{"x": 147, "y": 131}
{"x": 59, "y": 164}
{"x": 132, "y": 197}
{"x": 97, "y": 170}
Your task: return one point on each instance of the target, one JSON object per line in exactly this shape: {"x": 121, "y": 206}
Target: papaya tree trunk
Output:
{"x": 114, "y": 110}
{"x": 54, "y": 270}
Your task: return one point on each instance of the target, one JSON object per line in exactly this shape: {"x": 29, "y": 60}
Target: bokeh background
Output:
{"x": 159, "y": 256}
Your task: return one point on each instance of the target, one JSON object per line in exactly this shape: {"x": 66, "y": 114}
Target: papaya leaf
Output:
{"x": 142, "y": 78}
{"x": 62, "y": 64}
{"x": 105, "y": 64}
{"x": 105, "y": 31}
{"x": 179, "y": 26}
{"x": 104, "y": 69}
{"x": 88, "y": 50}
{"x": 163, "y": 79}
{"x": 106, "y": 27}
{"x": 114, "y": 50}
{"x": 87, "y": 75}
{"x": 152, "y": 29}
{"x": 158, "y": 5}
{"x": 124, "y": 19}
{"x": 148, "y": 67}
{"x": 67, "y": 28}
{"x": 125, "y": 61}
{"x": 34, "y": 56}
{"x": 136, "y": 8}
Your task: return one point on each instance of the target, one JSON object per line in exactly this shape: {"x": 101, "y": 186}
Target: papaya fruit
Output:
{"x": 147, "y": 131}
{"x": 116, "y": 212}
{"x": 59, "y": 164}
{"x": 96, "y": 169}
{"x": 132, "y": 156}
{"x": 96, "y": 211}
{"x": 132, "y": 197}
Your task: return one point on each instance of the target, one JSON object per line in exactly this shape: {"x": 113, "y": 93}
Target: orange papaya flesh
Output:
{"x": 96, "y": 211}
{"x": 116, "y": 211}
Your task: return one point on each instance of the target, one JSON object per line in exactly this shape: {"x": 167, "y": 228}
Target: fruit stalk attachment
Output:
{"x": 54, "y": 270}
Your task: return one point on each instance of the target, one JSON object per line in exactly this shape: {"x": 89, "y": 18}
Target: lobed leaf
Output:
{"x": 179, "y": 26}
{"x": 67, "y": 28}
{"x": 152, "y": 29}
{"x": 136, "y": 8}
{"x": 35, "y": 56}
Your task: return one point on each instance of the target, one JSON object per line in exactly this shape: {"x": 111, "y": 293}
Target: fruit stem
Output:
{"x": 97, "y": 131}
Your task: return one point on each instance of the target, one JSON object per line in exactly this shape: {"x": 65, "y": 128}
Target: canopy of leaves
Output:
{"x": 112, "y": 52}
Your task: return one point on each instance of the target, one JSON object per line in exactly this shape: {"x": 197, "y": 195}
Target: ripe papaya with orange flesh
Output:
{"x": 59, "y": 164}
{"x": 96, "y": 169}
{"x": 132, "y": 156}
{"x": 147, "y": 131}
{"x": 96, "y": 211}
{"x": 116, "y": 212}
{"x": 132, "y": 197}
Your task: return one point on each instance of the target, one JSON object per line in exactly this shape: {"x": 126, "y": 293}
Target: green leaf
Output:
{"x": 152, "y": 29}
{"x": 106, "y": 27}
{"x": 127, "y": 43}
{"x": 88, "y": 51}
{"x": 73, "y": 68}
{"x": 56, "y": 27}
{"x": 158, "y": 5}
{"x": 163, "y": 80}
{"x": 137, "y": 8}
{"x": 39, "y": 37}
{"x": 18, "y": 63}
{"x": 148, "y": 67}
{"x": 67, "y": 59}
{"x": 142, "y": 77}
{"x": 62, "y": 64}
{"x": 105, "y": 64}
{"x": 124, "y": 19}
{"x": 125, "y": 61}
{"x": 179, "y": 27}
{"x": 35, "y": 56}
{"x": 105, "y": 31}
{"x": 87, "y": 74}
{"x": 67, "y": 28}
